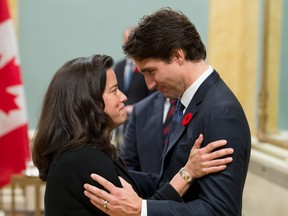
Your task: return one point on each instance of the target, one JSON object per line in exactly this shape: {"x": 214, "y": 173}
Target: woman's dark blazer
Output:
{"x": 68, "y": 173}
{"x": 70, "y": 170}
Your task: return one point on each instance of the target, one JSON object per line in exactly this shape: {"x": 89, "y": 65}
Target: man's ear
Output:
{"x": 178, "y": 55}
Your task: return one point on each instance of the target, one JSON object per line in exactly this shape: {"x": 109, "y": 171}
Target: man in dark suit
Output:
{"x": 139, "y": 151}
{"x": 168, "y": 50}
{"x": 131, "y": 83}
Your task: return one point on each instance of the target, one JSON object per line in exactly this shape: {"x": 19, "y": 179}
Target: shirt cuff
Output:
{"x": 144, "y": 208}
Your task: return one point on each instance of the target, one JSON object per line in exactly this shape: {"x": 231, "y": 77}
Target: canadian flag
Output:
{"x": 14, "y": 144}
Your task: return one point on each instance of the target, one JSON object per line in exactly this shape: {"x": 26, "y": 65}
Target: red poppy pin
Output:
{"x": 187, "y": 118}
{"x": 135, "y": 69}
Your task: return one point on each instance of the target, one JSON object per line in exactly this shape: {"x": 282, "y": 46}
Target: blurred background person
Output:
{"x": 144, "y": 143}
{"x": 131, "y": 83}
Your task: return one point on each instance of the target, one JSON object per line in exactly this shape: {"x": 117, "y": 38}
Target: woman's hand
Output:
{"x": 202, "y": 161}
{"x": 117, "y": 201}
{"x": 206, "y": 160}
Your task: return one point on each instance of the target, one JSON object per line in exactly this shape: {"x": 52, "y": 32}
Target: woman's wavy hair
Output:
{"x": 73, "y": 112}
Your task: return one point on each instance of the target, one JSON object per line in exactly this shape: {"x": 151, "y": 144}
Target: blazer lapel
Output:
{"x": 192, "y": 108}
{"x": 181, "y": 128}
{"x": 205, "y": 86}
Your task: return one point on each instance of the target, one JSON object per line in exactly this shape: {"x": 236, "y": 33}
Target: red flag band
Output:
{"x": 14, "y": 144}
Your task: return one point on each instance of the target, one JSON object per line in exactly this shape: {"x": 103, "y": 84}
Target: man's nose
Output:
{"x": 150, "y": 82}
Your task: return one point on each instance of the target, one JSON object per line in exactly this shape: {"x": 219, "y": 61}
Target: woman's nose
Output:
{"x": 122, "y": 97}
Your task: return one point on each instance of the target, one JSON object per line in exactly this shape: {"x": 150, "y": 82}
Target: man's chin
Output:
{"x": 166, "y": 94}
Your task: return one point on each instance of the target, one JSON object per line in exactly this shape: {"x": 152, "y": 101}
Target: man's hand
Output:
{"x": 118, "y": 202}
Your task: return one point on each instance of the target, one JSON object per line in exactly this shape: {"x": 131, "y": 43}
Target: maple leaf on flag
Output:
{"x": 9, "y": 76}
{"x": 14, "y": 142}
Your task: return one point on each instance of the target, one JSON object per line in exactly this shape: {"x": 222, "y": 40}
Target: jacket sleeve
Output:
{"x": 82, "y": 164}
{"x": 147, "y": 182}
{"x": 167, "y": 192}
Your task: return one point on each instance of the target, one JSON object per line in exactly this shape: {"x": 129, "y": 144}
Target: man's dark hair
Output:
{"x": 157, "y": 35}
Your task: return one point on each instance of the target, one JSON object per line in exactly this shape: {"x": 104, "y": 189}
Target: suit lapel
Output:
{"x": 192, "y": 108}
{"x": 205, "y": 86}
{"x": 181, "y": 128}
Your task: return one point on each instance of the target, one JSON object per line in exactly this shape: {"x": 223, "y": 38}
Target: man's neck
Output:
{"x": 193, "y": 71}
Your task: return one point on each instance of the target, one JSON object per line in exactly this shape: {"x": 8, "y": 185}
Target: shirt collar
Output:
{"x": 190, "y": 92}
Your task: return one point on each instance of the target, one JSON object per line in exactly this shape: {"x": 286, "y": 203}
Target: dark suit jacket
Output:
{"x": 217, "y": 114}
{"x": 69, "y": 171}
{"x": 137, "y": 89}
{"x": 143, "y": 143}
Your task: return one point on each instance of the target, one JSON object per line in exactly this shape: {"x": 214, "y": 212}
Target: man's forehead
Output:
{"x": 148, "y": 62}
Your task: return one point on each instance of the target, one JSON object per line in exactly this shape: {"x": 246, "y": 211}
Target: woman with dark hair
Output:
{"x": 81, "y": 107}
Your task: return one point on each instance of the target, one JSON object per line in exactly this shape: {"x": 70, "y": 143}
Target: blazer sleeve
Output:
{"x": 167, "y": 192}
{"x": 147, "y": 183}
{"x": 84, "y": 163}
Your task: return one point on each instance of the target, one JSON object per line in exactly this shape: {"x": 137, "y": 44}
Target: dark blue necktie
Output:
{"x": 177, "y": 116}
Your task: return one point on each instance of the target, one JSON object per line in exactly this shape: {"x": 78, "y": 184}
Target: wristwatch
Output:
{"x": 185, "y": 175}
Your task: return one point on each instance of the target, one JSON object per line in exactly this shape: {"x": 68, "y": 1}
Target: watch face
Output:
{"x": 187, "y": 178}
{"x": 185, "y": 175}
